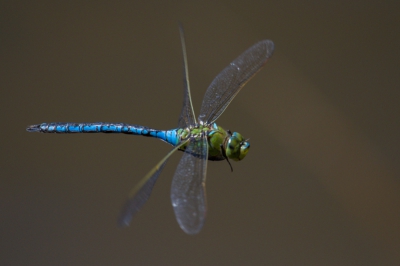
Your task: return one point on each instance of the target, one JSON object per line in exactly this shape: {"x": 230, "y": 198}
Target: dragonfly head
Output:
{"x": 237, "y": 147}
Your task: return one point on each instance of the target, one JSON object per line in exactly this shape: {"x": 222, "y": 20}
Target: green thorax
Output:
{"x": 220, "y": 142}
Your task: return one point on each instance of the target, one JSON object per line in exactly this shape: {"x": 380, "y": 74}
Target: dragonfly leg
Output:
{"x": 224, "y": 155}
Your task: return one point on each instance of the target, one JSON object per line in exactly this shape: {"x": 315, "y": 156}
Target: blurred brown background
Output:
{"x": 319, "y": 187}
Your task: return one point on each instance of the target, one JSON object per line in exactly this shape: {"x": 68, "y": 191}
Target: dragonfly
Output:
{"x": 200, "y": 139}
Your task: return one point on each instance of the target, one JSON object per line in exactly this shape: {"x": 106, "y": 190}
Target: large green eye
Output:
{"x": 244, "y": 149}
{"x": 237, "y": 147}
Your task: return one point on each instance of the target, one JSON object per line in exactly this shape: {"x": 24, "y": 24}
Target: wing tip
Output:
{"x": 270, "y": 47}
{"x": 124, "y": 220}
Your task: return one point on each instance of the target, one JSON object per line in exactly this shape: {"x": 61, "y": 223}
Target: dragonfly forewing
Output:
{"x": 188, "y": 187}
{"x": 141, "y": 192}
{"x": 187, "y": 117}
{"x": 228, "y": 83}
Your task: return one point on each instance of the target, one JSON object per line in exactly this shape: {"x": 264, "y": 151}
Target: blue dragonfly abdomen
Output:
{"x": 170, "y": 136}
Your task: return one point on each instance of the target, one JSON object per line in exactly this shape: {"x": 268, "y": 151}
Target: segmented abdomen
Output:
{"x": 169, "y": 136}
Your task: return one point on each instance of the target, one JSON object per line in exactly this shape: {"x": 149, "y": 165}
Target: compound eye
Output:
{"x": 237, "y": 147}
{"x": 244, "y": 149}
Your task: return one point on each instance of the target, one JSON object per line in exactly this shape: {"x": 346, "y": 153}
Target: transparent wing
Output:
{"x": 141, "y": 192}
{"x": 188, "y": 187}
{"x": 187, "y": 116}
{"x": 228, "y": 83}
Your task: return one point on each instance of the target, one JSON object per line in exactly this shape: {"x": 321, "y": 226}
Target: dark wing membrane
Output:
{"x": 135, "y": 203}
{"x": 228, "y": 83}
{"x": 187, "y": 116}
{"x": 188, "y": 187}
{"x": 141, "y": 192}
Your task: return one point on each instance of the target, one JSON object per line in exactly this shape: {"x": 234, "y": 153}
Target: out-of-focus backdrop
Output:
{"x": 320, "y": 185}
